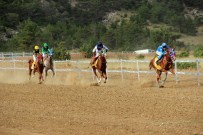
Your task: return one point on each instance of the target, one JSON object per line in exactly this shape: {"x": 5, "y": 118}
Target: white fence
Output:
{"x": 122, "y": 70}
{"x": 12, "y": 55}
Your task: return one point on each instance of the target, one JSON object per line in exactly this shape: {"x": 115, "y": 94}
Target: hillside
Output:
{"x": 78, "y": 24}
{"x": 193, "y": 40}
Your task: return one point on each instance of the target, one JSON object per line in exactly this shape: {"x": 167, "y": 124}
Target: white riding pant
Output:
{"x": 34, "y": 58}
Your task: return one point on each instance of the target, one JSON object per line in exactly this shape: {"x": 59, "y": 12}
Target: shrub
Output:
{"x": 186, "y": 65}
{"x": 198, "y": 52}
{"x": 183, "y": 54}
{"x": 140, "y": 56}
{"x": 62, "y": 55}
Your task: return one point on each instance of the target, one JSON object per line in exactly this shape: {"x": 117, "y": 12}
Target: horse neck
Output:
{"x": 167, "y": 61}
{"x": 100, "y": 62}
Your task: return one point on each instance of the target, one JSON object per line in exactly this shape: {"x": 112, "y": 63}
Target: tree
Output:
{"x": 26, "y": 38}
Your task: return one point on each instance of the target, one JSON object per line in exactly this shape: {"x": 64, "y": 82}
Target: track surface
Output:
{"x": 116, "y": 108}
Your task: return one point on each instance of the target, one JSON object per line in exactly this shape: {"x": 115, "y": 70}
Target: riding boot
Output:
{"x": 157, "y": 62}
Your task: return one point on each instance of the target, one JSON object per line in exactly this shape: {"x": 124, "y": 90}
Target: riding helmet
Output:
{"x": 36, "y": 47}
{"x": 45, "y": 45}
{"x": 164, "y": 45}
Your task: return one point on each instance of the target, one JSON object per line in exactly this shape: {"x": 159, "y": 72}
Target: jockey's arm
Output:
{"x": 106, "y": 48}
{"x": 94, "y": 51}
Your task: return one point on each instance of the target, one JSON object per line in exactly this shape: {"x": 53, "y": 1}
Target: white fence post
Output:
{"x": 55, "y": 67}
{"x": 121, "y": 69}
{"x": 138, "y": 71}
{"x": 14, "y": 65}
{"x": 198, "y": 74}
{"x": 176, "y": 70}
{"x": 78, "y": 69}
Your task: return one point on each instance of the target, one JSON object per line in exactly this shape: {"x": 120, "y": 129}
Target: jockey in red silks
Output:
{"x": 99, "y": 48}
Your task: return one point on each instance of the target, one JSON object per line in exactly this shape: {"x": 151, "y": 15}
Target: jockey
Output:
{"x": 35, "y": 53}
{"x": 161, "y": 51}
{"x": 46, "y": 50}
{"x": 99, "y": 48}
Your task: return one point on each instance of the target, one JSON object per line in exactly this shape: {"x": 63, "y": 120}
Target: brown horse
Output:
{"x": 165, "y": 65}
{"x": 100, "y": 66}
{"x": 39, "y": 67}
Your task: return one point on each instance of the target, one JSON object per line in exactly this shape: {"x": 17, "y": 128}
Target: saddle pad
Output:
{"x": 157, "y": 66}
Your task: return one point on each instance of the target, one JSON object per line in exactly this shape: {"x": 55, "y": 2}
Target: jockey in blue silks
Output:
{"x": 161, "y": 51}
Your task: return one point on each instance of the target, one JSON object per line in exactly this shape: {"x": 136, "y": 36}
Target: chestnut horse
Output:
{"x": 100, "y": 66}
{"x": 165, "y": 65}
{"x": 39, "y": 67}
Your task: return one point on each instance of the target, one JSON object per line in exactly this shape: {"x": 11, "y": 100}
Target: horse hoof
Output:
{"x": 161, "y": 86}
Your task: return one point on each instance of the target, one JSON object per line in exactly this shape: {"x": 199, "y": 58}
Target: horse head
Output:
{"x": 40, "y": 58}
{"x": 172, "y": 54}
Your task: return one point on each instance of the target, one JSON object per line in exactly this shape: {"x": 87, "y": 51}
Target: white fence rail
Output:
{"x": 121, "y": 70}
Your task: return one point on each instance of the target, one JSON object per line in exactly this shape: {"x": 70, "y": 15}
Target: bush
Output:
{"x": 183, "y": 54}
{"x": 87, "y": 49}
{"x": 198, "y": 52}
{"x": 67, "y": 56}
{"x": 186, "y": 65}
{"x": 62, "y": 55}
{"x": 140, "y": 56}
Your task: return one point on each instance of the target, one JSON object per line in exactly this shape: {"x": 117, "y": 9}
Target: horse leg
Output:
{"x": 150, "y": 65}
{"x": 33, "y": 72}
{"x": 94, "y": 71}
{"x": 158, "y": 78}
{"x": 174, "y": 74}
{"x": 40, "y": 77}
{"x": 53, "y": 71}
{"x": 30, "y": 72}
{"x": 165, "y": 77}
{"x": 46, "y": 70}
{"x": 104, "y": 76}
{"x": 100, "y": 77}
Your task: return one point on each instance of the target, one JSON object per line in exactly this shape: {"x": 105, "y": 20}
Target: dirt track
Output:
{"x": 116, "y": 108}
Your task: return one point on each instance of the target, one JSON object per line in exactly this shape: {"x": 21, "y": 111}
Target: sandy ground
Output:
{"x": 70, "y": 105}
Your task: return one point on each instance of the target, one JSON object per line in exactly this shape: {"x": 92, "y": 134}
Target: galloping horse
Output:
{"x": 164, "y": 66}
{"x": 39, "y": 67}
{"x": 100, "y": 66}
{"x": 48, "y": 63}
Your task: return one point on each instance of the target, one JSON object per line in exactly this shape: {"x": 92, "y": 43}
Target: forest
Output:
{"x": 77, "y": 25}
